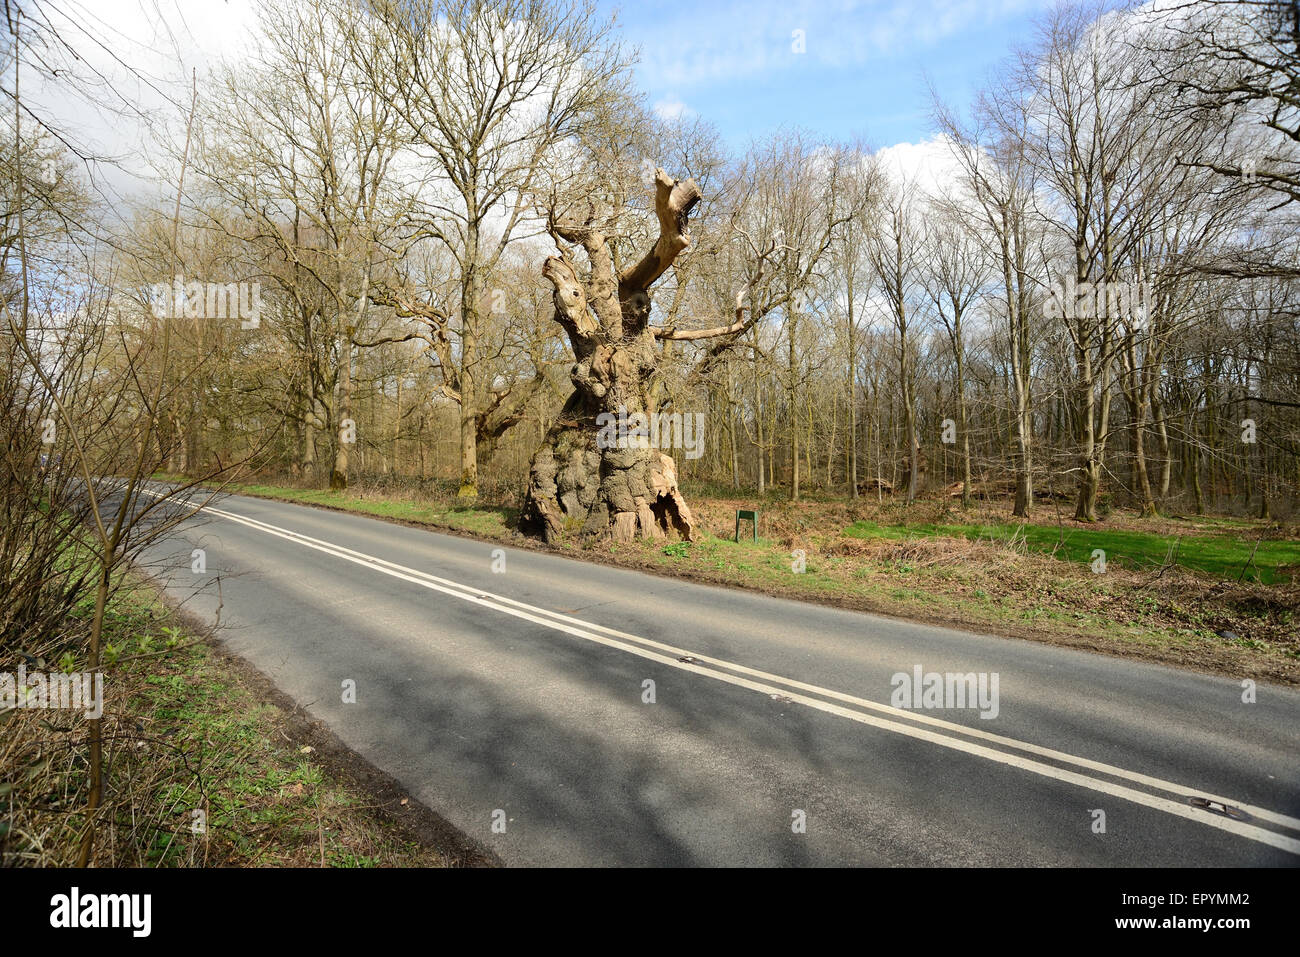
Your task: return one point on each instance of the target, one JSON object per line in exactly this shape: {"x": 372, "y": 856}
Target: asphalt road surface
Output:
{"x": 512, "y": 698}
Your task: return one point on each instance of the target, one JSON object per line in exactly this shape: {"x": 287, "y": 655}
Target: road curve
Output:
{"x": 512, "y": 698}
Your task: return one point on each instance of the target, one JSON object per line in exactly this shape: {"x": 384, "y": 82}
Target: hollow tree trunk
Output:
{"x": 579, "y": 480}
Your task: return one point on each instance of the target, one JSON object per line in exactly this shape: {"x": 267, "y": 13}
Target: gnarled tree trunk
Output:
{"x": 577, "y": 482}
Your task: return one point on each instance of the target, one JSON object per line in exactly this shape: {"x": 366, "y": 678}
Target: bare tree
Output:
{"x": 956, "y": 272}
{"x": 489, "y": 92}
{"x": 895, "y": 252}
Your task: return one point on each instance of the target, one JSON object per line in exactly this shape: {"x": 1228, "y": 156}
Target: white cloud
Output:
{"x": 672, "y": 108}
{"x": 739, "y": 39}
{"x": 929, "y": 166}
{"x": 132, "y": 65}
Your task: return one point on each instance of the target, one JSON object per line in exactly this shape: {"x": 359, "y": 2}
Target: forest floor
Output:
{"x": 1214, "y": 594}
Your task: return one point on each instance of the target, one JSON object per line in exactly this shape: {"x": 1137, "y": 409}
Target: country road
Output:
{"x": 524, "y": 691}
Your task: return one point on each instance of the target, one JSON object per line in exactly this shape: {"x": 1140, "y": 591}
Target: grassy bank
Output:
{"x": 1235, "y": 553}
{"x": 201, "y": 768}
{"x": 1217, "y": 595}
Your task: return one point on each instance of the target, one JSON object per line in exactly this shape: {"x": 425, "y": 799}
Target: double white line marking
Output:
{"x": 913, "y": 724}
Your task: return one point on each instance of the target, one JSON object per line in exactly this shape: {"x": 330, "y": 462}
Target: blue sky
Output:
{"x": 863, "y": 71}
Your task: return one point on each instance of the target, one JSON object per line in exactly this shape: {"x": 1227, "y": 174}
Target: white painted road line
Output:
{"x": 770, "y": 684}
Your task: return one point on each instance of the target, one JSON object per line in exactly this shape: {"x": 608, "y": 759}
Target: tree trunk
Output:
{"x": 758, "y": 424}
{"x": 308, "y": 451}
{"x": 1140, "y": 463}
{"x": 596, "y": 473}
{"x": 397, "y": 425}
{"x": 853, "y": 395}
{"x": 1024, "y": 435}
{"x": 1089, "y": 465}
{"x": 339, "y": 473}
{"x": 347, "y": 424}
{"x": 792, "y": 400}
{"x": 830, "y": 447}
{"x": 468, "y": 374}
{"x": 1197, "y": 496}
{"x": 731, "y": 431}
{"x": 1162, "y": 442}
{"x": 965, "y": 444}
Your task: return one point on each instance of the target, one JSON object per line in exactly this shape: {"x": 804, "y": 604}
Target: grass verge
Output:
{"x": 204, "y": 767}
{"x": 1234, "y": 557}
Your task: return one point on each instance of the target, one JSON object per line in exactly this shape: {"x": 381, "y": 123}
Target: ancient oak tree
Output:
{"x": 578, "y": 483}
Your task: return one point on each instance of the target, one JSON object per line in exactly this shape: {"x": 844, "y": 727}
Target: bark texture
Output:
{"x": 577, "y": 483}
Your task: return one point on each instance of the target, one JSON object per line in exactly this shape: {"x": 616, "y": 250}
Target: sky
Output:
{"x": 863, "y": 69}
{"x": 837, "y": 68}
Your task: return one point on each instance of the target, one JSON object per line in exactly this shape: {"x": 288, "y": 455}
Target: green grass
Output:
{"x": 184, "y": 733}
{"x": 267, "y": 801}
{"x": 1221, "y": 556}
{"x": 486, "y": 520}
